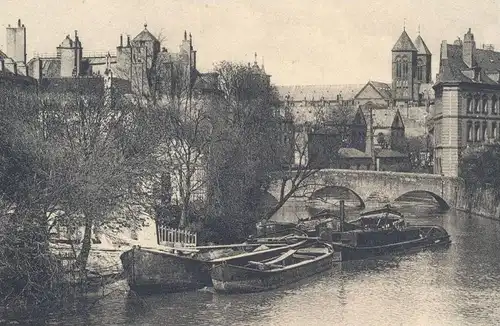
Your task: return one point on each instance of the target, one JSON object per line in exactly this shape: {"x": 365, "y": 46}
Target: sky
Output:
{"x": 301, "y": 42}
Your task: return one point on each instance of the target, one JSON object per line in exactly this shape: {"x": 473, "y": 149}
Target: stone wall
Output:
{"x": 482, "y": 202}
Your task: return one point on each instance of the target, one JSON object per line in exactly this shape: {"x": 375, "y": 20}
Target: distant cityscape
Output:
{"x": 457, "y": 110}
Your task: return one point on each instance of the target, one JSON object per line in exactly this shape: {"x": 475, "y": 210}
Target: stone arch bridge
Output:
{"x": 377, "y": 187}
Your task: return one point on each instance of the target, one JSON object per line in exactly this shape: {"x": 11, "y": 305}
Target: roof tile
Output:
{"x": 404, "y": 43}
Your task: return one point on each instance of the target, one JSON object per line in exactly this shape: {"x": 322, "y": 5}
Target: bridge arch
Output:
{"x": 318, "y": 194}
{"x": 441, "y": 202}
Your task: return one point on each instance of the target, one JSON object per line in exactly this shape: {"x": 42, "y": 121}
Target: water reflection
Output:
{"x": 459, "y": 285}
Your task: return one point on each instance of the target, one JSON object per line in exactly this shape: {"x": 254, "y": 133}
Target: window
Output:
{"x": 398, "y": 67}
{"x": 469, "y": 104}
{"x": 494, "y": 133}
{"x": 485, "y": 105}
{"x": 494, "y": 105}
{"x": 477, "y": 105}
{"x": 470, "y": 132}
{"x": 420, "y": 69}
{"x": 477, "y": 132}
{"x": 405, "y": 67}
{"x": 484, "y": 135}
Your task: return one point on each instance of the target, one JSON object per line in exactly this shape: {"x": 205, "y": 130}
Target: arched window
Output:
{"x": 477, "y": 131}
{"x": 470, "y": 104}
{"x": 470, "y": 131}
{"x": 494, "y": 105}
{"x": 477, "y": 104}
{"x": 494, "y": 132}
{"x": 485, "y": 105}
{"x": 398, "y": 67}
{"x": 405, "y": 67}
{"x": 420, "y": 69}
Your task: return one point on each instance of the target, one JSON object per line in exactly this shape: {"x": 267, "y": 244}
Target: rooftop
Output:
{"x": 404, "y": 43}
{"x": 318, "y": 92}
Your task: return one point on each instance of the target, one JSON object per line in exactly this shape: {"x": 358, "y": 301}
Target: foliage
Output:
{"x": 245, "y": 153}
{"x": 336, "y": 119}
{"x": 480, "y": 166}
{"x": 418, "y": 149}
{"x": 69, "y": 160}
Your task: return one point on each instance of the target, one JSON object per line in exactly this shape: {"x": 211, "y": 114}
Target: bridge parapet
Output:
{"x": 382, "y": 186}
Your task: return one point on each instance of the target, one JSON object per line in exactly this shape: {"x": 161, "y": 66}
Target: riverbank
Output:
{"x": 483, "y": 202}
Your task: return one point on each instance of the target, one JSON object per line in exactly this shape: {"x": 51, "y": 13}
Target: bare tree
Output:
{"x": 292, "y": 177}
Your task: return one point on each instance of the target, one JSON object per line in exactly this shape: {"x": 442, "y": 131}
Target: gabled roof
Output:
{"x": 421, "y": 46}
{"x": 145, "y": 35}
{"x": 3, "y": 55}
{"x": 316, "y": 92}
{"x": 383, "y": 117}
{"x": 352, "y": 153}
{"x": 398, "y": 118}
{"x": 404, "y": 43}
{"x": 362, "y": 117}
{"x": 66, "y": 43}
{"x": 452, "y": 65}
{"x": 383, "y": 89}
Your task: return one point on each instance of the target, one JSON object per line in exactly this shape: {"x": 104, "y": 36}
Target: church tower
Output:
{"x": 423, "y": 74}
{"x": 404, "y": 66}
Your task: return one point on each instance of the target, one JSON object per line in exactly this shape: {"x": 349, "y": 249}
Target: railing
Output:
{"x": 98, "y": 54}
{"x": 176, "y": 237}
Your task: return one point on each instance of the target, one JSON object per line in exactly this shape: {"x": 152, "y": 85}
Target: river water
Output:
{"x": 459, "y": 285}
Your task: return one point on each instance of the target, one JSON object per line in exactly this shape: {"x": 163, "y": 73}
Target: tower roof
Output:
{"x": 66, "y": 43}
{"x": 421, "y": 46}
{"x": 404, "y": 43}
{"x": 145, "y": 35}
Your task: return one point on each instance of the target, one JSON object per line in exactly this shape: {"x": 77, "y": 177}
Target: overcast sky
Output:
{"x": 302, "y": 42}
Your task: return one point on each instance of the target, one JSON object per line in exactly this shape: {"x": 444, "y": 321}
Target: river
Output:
{"x": 459, "y": 285}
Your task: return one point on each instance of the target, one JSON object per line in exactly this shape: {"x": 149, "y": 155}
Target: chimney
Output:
{"x": 19, "y": 23}
{"x": 468, "y": 49}
{"x": 444, "y": 50}
{"x": 121, "y": 40}
{"x": 194, "y": 59}
{"x": 128, "y": 40}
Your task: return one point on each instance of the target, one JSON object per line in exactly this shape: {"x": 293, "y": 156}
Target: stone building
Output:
{"x": 411, "y": 70}
{"x": 16, "y": 49}
{"x": 374, "y": 92}
{"x": 466, "y": 111}
{"x": 148, "y": 66}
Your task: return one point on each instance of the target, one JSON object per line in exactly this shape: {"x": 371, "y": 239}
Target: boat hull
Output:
{"x": 228, "y": 278}
{"x": 356, "y": 253}
{"x": 154, "y": 271}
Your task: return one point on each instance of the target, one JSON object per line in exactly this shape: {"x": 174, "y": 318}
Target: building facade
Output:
{"x": 466, "y": 112}
{"x": 411, "y": 71}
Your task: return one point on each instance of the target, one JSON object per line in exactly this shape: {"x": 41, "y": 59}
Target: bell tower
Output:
{"x": 404, "y": 55}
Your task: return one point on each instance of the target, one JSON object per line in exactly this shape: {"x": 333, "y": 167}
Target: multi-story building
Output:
{"x": 466, "y": 111}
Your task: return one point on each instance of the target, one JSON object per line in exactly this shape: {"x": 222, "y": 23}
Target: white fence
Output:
{"x": 176, "y": 237}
